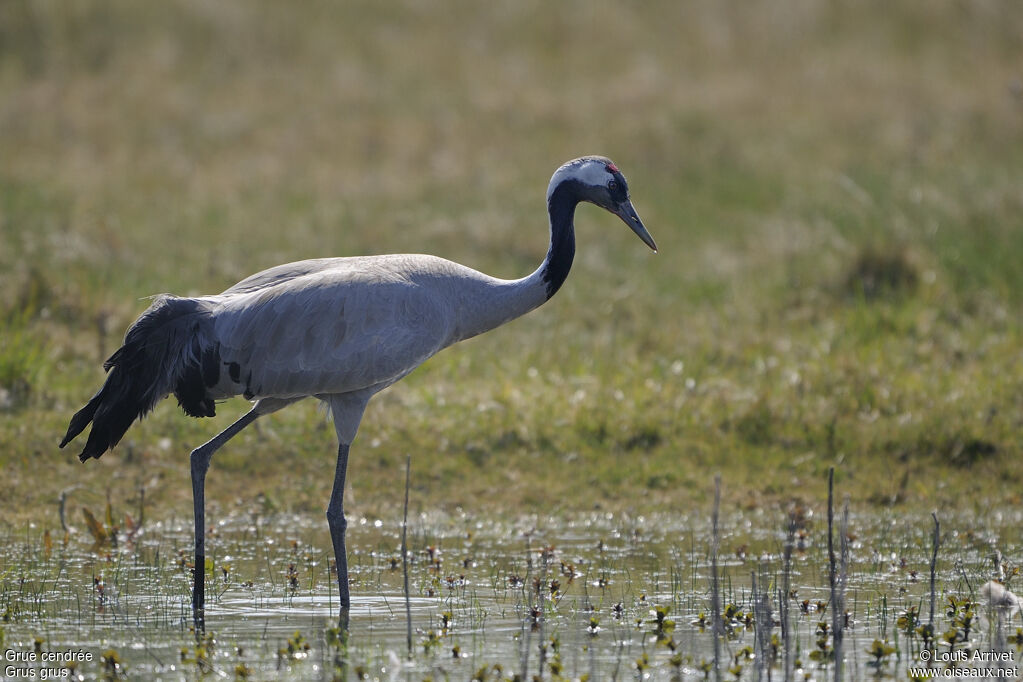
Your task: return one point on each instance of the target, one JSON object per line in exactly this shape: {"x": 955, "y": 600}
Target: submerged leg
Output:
{"x": 200, "y": 460}
{"x": 338, "y": 525}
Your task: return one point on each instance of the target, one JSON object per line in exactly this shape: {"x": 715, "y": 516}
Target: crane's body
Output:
{"x": 365, "y": 322}
{"x": 337, "y": 329}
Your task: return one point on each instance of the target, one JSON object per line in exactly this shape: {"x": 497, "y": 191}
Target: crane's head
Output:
{"x": 597, "y": 180}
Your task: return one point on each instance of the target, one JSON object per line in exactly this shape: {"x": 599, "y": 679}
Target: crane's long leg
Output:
{"x": 347, "y": 409}
{"x": 200, "y": 465}
{"x": 338, "y": 526}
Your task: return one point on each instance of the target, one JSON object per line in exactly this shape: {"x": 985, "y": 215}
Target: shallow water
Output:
{"x": 580, "y": 593}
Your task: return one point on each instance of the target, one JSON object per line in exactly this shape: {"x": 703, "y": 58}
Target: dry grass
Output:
{"x": 772, "y": 148}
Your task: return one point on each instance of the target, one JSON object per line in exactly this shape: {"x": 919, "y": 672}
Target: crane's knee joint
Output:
{"x": 336, "y": 517}
{"x": 200, "y": 461}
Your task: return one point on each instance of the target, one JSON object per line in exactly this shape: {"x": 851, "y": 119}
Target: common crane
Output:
{"x": 337, "y": 329}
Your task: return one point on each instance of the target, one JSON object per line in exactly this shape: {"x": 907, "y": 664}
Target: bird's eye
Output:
{"x": 612, "y": 186}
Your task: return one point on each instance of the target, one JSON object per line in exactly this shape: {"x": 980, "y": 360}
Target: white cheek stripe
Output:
{"x": 593, "y": 173}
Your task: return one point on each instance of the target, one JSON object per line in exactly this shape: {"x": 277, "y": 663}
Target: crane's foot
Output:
{"x": 344, "y": 620}
{"x": 199, "y": 594}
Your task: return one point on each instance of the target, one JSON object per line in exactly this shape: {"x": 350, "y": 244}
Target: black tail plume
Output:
{"x": 163, "y": 351}
{"x": 111, "y": 411}
{"x": 82, "y": 418}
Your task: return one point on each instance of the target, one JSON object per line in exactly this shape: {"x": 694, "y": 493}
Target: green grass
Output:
{"x": 835, "y": 191}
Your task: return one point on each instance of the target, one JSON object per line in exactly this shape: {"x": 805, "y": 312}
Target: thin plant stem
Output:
{"x": 717, "y": 629}
{"x": 404, "y": 557}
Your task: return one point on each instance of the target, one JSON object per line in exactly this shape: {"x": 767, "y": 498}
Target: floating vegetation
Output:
{"x": 597, "y": 595}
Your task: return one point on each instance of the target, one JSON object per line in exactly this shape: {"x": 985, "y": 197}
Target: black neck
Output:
{"x": 561, "y": 207}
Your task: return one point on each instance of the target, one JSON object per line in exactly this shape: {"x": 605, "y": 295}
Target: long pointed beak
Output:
{"x": 628, "y": 214}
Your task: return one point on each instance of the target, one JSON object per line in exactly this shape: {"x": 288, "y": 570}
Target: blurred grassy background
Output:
{"x": 836, "y": 188}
